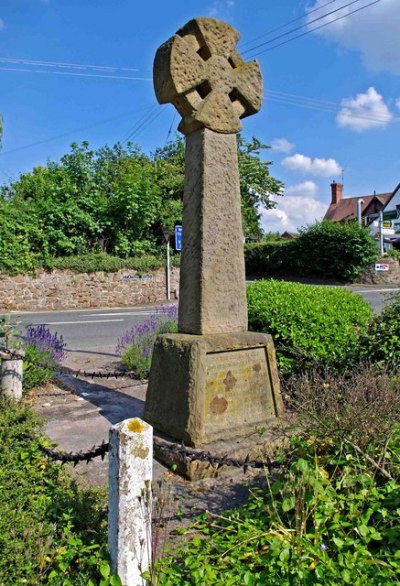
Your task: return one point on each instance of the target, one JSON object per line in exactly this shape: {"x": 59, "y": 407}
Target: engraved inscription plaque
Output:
{"x": 238, "y": 389}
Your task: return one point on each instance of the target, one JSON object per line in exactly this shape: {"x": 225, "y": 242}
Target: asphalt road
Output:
{"x": 96, "y": 331}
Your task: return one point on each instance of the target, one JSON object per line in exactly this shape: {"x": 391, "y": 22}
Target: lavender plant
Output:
{"x": 136, "y": 346}
{"x": 43, "y": 352}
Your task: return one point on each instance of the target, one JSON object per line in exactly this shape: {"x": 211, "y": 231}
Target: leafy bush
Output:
{"x": 136, "y": 346}
{"x": 382, "y": 341}
{"x": 323, "y": 324}
{"x": 43, "y": 352}
{"x": 326, "y": 520}
{"x": 329, "y": 249}
{"x": 269, "y": 257}
{"x": 394, "y": 253}
{"x": 330, "y": 516}
{"x": 92, "y": 262}
{"x": 335, "y": 249}
{"x": 51, "y": 532}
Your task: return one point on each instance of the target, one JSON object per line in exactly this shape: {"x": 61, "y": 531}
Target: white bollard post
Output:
{"x": 11, "y": 374}
{"x": 129, "y": 516}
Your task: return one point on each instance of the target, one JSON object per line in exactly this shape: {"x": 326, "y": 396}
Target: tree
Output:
{"x": 256, "y": 184}
{"x": 115, "y": 200}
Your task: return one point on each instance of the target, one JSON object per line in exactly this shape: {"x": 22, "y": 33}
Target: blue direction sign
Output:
{"x": 178, "y": 237}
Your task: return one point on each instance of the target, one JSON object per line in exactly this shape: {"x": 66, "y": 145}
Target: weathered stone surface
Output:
{"x": 374, "y": 277}
{"x": 206, "y": 388}
{"x": 69, "y": 290}
{"x": 200, "y": 71}
{"x": 213, "y": 287}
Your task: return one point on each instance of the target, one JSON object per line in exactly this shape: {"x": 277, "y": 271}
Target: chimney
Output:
{"x": 336, "y": 192}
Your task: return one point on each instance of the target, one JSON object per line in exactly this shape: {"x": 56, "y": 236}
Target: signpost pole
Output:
{"x": 168, "y": 273}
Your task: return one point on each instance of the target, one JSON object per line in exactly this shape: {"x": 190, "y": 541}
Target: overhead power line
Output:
{"x": 17, "y": 61}
{"x": 302, "y": 26}
{"x": 64, "y": 134}
{"x": 316, "y": 28}
{"x": 323, "y": 106}
{"x": 284, "y": 25}
{"x": 75, "y": 74}
{"x": 142, "y": 125}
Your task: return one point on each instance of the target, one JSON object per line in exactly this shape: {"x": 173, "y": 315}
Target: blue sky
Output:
{"x": 332, "y": 97}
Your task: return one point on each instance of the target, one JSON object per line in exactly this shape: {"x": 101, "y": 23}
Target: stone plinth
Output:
{"x": 212, "y": 288}
{"x": 206, "y": 388}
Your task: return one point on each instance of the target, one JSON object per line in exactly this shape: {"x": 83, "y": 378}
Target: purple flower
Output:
{"x": 43, "y": 339}
{"x": 144, "y": 335}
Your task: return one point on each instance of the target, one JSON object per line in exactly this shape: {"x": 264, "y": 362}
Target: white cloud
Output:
{"x": 281, "y": 145}
{"x": 221, "y": 8}
{"x": 373, "y": 32}
{"x": 2, "y": 25}
{"x": 317, "y": 166}
{"x": 364, "y": 112}
{"x": 307, "y": 188}
{"x": 297, "y": 208}
{"x": 398, "y": 103}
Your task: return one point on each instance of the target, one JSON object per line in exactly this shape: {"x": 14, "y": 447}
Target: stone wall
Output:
{"x": 373, "y": 277}
{"x": 69, "y": 290}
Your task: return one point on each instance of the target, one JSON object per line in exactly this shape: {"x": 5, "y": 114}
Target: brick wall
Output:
{"x": 68, "y": 290}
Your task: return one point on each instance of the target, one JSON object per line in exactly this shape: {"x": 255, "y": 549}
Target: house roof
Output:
{"x": 392, "y": 195}
{"x": 346, "y": 208}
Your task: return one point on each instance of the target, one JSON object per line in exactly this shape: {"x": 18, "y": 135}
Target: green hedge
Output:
{"x": 323, "y": 323}
{"x": 92, "y": 262}
{"x": 328, "y": 249}
{"x": 382, "y": 341}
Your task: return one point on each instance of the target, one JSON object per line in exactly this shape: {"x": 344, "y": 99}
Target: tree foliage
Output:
{"x": 113, "y": 200}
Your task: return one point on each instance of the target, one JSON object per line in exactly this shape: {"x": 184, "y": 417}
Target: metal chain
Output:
{"x": 76, "y": 457}
{"x": 186, "y": 454}
{"x": 92, "y": 374}
{"x": 178, "y": 450}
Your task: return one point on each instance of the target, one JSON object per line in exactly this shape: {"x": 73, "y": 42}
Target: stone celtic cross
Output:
{"x": 213, "y": 380}
{"x": 201, "y": 73}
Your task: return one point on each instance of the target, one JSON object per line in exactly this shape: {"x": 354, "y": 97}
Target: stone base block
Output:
{"x": 212, "y": 387}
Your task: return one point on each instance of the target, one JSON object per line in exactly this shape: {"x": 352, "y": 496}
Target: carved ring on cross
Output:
{"x": 200, "y": 71}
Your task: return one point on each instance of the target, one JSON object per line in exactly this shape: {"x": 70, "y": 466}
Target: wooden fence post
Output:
{"x": 129, "y": 517}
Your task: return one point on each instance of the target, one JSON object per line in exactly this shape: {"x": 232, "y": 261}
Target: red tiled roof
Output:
{"x": 346, "y": 209}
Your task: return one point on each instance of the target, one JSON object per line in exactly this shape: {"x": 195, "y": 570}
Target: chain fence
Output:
{"x": 180, "y": 451}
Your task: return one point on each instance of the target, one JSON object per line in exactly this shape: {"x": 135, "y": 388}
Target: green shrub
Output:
{"x": 333, "y": 250}
{"x": 341, "y": 250}
{"x": 38, "y": 367}
{"x": 92, "y": 262}
{"x": 322, "y": 323}
{"x": 51, "y": 532}
{"x": 270, "y": 258}
{"x": 381, "y": 343}
{"x": 394, "y": 253}
{"x": 328, "y": 520}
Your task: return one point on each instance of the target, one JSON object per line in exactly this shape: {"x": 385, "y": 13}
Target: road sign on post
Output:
{"x": 178, "y": 237}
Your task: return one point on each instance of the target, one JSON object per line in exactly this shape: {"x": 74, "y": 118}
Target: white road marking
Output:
{"x": 62, "y": 323}
{"x": 112, "y": 314}
{"x": 374, "y": 291}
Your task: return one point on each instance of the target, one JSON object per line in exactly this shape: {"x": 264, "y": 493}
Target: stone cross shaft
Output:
{"x": 200, "y": 71}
